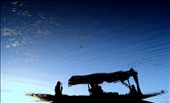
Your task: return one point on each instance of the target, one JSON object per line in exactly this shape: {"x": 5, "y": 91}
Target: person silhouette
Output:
{"x": 95, "y": 89}
{"x": 58, "y": 89}
{"x": 133, "y": 90}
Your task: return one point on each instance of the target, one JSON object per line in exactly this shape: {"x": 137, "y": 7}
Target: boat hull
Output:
{"x": 109, "y": 98}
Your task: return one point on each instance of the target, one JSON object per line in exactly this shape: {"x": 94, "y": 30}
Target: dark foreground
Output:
{"x": 99, "y": 99}
{"x": 105, "y": 98}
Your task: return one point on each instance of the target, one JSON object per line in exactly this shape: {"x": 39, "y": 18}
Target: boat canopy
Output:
{"x": 98, "y": 78}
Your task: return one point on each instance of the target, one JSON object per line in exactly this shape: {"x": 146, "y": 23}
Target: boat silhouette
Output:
{"x": 96, "y": 94}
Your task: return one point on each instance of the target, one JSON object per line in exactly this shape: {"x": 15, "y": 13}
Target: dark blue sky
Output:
{"x": 43, "y": 41}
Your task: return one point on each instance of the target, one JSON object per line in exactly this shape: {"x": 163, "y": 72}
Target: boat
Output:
{"x": 96, "y": 94}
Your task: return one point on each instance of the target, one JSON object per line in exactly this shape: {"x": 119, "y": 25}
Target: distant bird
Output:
{"x": 81, "y": 46}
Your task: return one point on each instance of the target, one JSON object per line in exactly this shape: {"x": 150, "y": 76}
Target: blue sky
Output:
{"x": 46, "y": 41}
